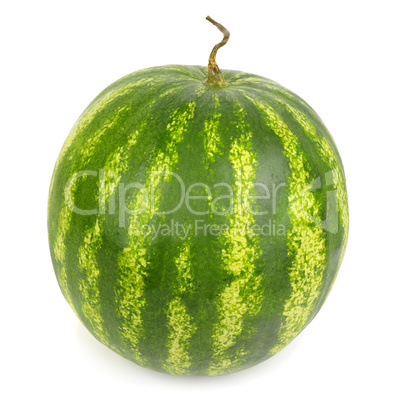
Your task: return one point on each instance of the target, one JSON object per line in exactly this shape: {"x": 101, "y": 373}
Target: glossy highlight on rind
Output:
{"x": 195, "y": 302}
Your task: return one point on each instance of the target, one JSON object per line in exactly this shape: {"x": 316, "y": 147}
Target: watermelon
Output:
{"x": 197, "y": 217}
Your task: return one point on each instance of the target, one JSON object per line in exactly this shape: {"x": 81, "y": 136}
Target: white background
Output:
{"x": 342, "y": 57}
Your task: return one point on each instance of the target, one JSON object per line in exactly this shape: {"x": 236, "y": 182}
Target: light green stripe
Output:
{"x": 89, "y": 148}
{"x": 65, "y": 216}
{"x": 89, "y": 115}
{"x": 59, "y": 251}
{"x": 271, "y": 87}
{"x": 91, "y": 306}
{"x": 243, "y": 296}
{"x": 115, "y": 166}
{"x": 306, "y": 243}
{"x": 180, "y": 324}
{"x": 133, "y": 259}
{"x": 92, "y": 111}
{"x": 212, "y": 141}
{"x": 327, "y": 154}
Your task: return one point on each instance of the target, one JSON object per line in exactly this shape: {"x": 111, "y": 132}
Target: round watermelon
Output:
{"x": 197, "y": 218}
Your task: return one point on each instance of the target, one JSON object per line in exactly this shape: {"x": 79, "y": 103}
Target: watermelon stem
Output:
{"x": 215, "y": 76}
